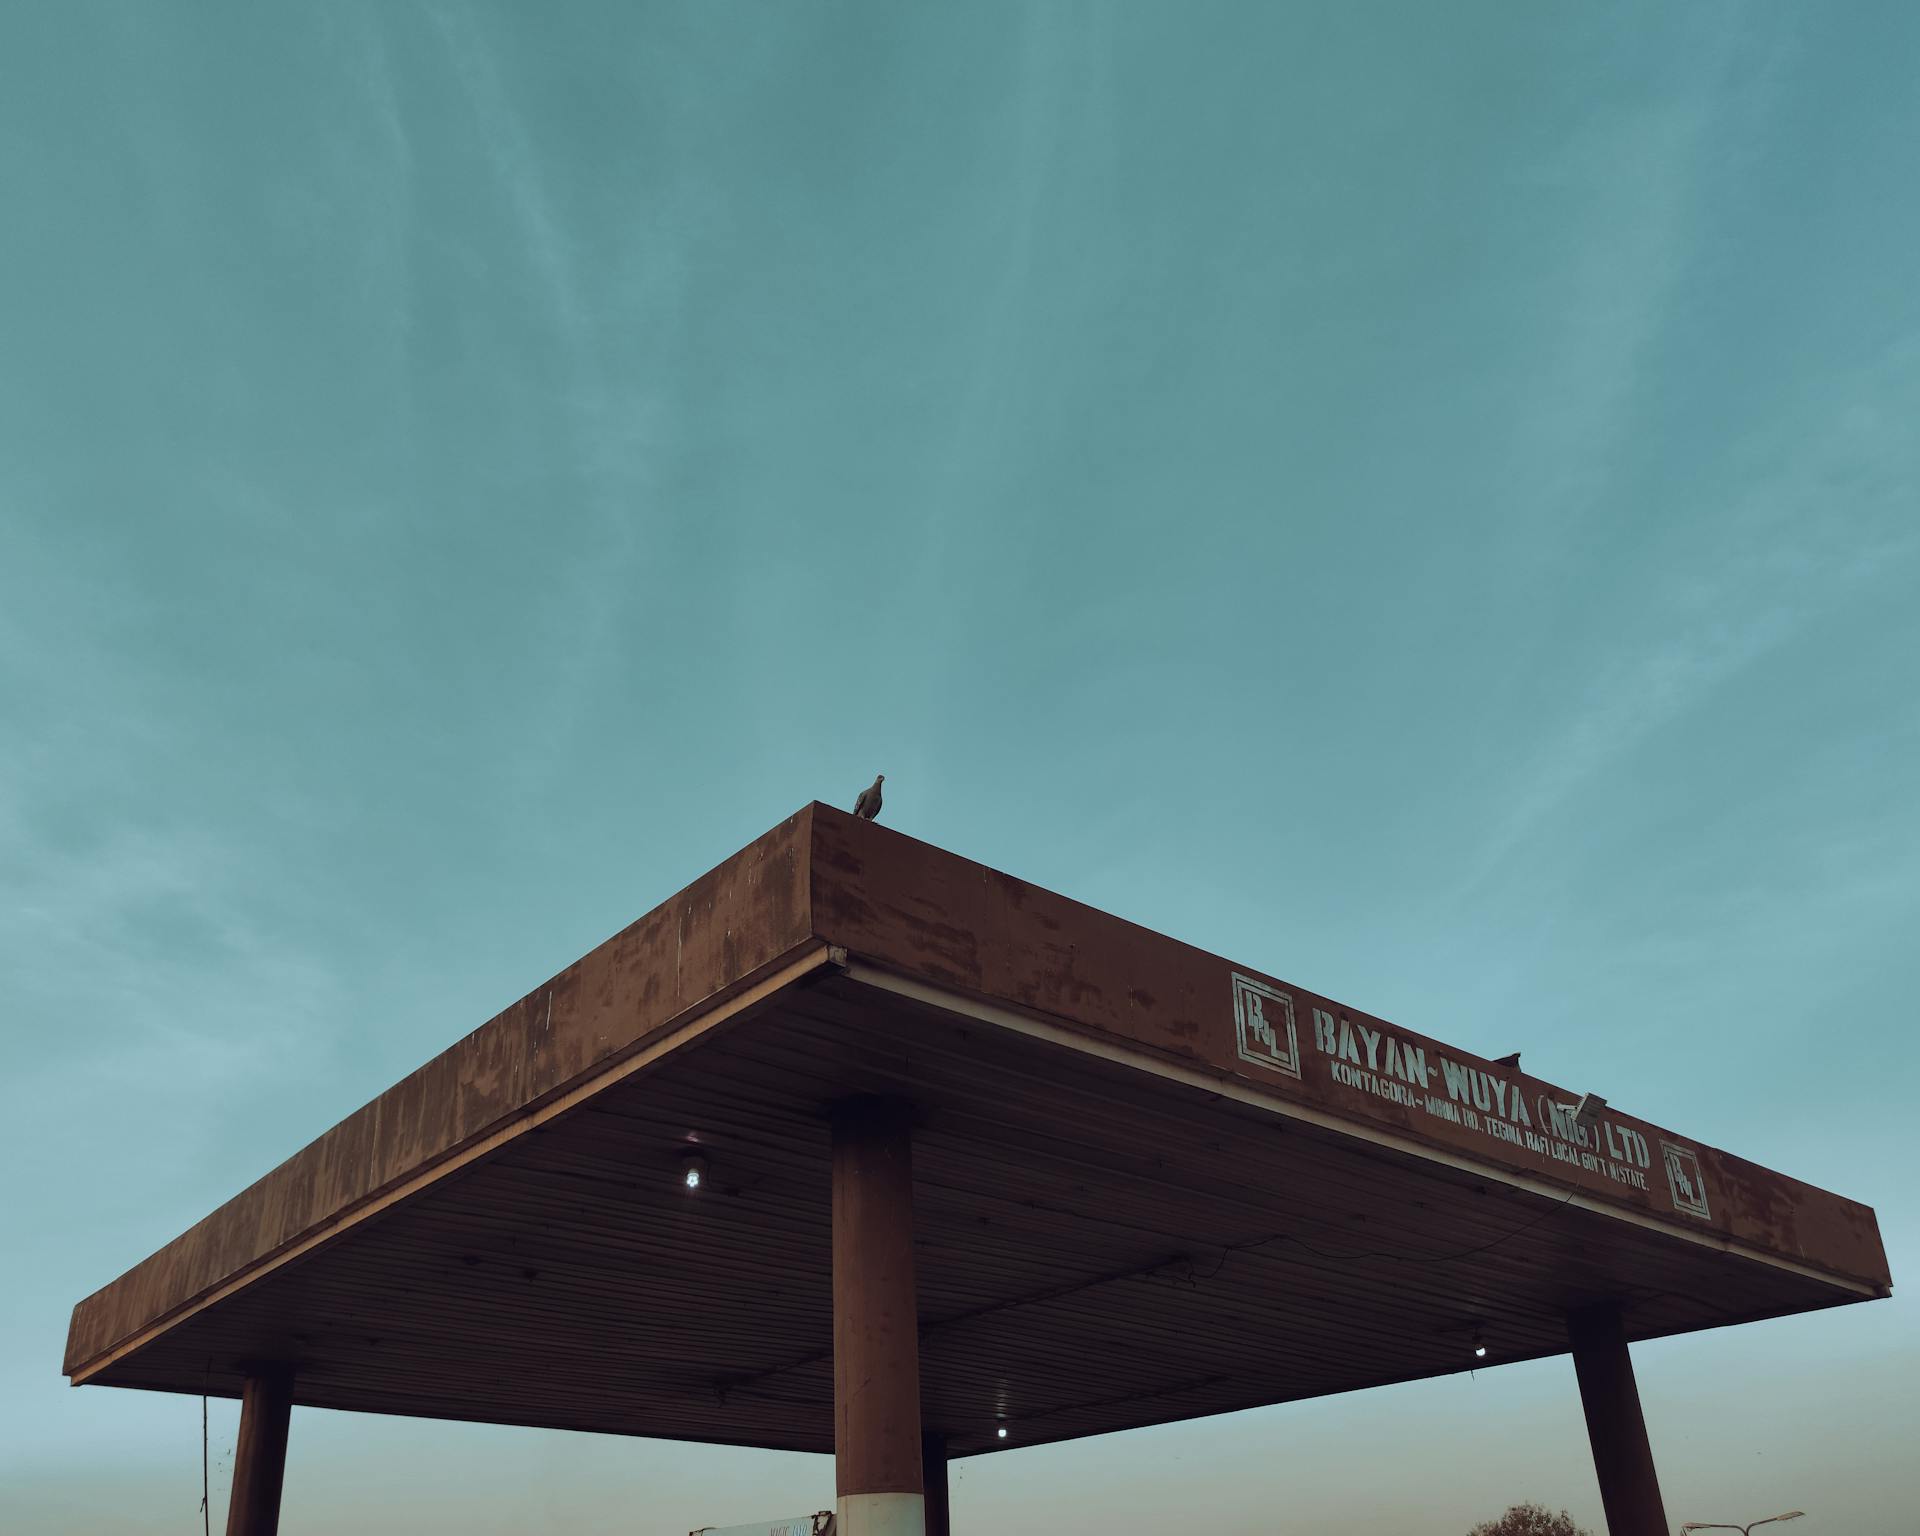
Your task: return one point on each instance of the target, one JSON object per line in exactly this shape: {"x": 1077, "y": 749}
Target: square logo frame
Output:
{"x": 1685, "y": 1181}
{"x": 1263, "y": 1026}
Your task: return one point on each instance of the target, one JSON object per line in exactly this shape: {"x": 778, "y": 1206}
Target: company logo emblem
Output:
{"x": 1684, "y": 1179}
{"x": 1263, "y": 1026}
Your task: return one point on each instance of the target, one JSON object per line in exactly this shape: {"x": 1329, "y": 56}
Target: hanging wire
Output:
{"x": 206, "y": 1515}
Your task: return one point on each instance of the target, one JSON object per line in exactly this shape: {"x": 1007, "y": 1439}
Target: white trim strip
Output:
{"x": 882, "y": 1514}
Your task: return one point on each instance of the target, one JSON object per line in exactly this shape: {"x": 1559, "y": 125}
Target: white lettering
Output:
{"x": 1376, "y": 1062}
{"x": 1323, "y": 1031}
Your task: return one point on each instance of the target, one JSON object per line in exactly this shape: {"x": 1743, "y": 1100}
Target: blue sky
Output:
{"x": 1422, "y": 499}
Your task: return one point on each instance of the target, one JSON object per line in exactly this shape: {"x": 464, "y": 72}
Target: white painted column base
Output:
{"x": 882, "y": 1514}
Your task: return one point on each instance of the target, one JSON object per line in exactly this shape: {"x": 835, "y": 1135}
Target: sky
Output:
{"x": 1423, "y": 500}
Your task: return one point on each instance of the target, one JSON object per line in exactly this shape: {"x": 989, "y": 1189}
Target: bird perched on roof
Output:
{"x": 1509, "y": 1061}
{"x": 867, "y": 807}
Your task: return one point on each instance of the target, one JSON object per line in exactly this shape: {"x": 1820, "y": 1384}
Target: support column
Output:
{"x": 876, "y": 1328}
{"x": 1629, "y": 1488}
{"x": 933, "y": 1475}
{"x": 260, "y": 1457}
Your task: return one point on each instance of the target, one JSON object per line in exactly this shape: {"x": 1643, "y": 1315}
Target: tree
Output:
{"x": 1529, "y": 1520}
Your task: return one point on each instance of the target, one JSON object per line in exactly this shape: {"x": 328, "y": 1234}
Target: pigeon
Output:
{"x": 1509, "y": 1061}
{"x": 867, "y": 807}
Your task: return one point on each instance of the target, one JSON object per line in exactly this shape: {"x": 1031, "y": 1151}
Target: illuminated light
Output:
{"x": 1479, "y": 1347}
{"x": 1001, "y": 1432}
{"x": 693, "y": 1171}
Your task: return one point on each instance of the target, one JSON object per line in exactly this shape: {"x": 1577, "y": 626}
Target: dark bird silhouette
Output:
{"x": 1509, "y": 1061}
{"x": 867, "y": 807}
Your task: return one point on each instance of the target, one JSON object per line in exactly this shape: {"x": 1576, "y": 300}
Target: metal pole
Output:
{"x": 876, "y": 1330}
{"x": 260, "y": 1457}
{"x": 1622, "y": 1458}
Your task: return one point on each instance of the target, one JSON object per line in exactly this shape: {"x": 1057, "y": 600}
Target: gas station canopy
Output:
{"x": 1146, "y": 1184}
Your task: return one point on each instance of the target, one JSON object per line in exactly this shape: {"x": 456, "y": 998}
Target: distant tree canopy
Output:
{"x": 1529, "y": 1520}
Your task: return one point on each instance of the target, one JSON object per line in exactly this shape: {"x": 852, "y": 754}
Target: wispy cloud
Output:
{"x": 510, "y": 148}
{"x": 131, "y": 936}
{"x": 1811, "y": 526}
{"x": 1632, "y": 177}
{"x": 140, "y": 955}
{"x": 603, "y": 321}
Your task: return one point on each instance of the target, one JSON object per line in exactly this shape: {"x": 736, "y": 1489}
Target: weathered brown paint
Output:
{"x": 924, "y": 912}
{"x": 933, "y": 1476}
{"x": 1622, "y": 1457}
{"x": 260, "y": 1454}
{"x": 876, "y": 1342}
